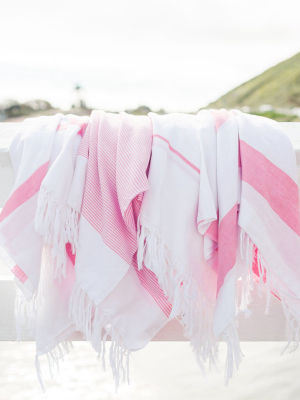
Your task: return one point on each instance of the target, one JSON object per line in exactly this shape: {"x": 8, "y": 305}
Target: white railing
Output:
{"x": 259, "y": 327}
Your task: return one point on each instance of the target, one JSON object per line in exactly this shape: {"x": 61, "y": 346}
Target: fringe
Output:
{"x": 91, "y": 321}
{"x": 72, "y": 227}
{"x": 39, "y": 374}
{"x": 54, "y": 357}
{"x": 57, "y": 228}
{"x": 25, "y": 311}
{"x": 234, "y": 353}
{"x": 25, "y": 315}
{"x": 247, "y": 254}
{"x": 267, "y": 278}
{"x": 184, "y": 293}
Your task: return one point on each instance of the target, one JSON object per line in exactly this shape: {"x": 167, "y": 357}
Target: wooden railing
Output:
{"x": 259, "y": 327}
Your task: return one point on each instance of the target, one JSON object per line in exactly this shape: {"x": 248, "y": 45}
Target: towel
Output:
{"x": 249, "y": 217}
{"x": 37, "y": 152}
{"x": 223, "y": 204}
{"x": 117, "y": 224}
{"x": 34, "y": 228}
{"x": 169, "y": 242}
{"x": 69, "y": 235}
{"x": 110, "y": 296}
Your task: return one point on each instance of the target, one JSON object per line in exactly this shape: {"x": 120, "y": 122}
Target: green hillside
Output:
{"x": 278, "y": 86}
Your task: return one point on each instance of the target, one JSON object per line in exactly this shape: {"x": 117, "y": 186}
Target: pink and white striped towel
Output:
{"x": 110, "y": 295}
{"x": 220, "y": 202}
{"x": 232, "y": 178}
{"x": 169, "y": 242}
{"x": 82, "y": 196}
{"x": 34, "y": 227}
{"x": 249, "y": 216}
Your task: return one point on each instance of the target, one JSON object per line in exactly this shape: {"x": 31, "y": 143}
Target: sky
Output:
{"x": 175, "y": 55}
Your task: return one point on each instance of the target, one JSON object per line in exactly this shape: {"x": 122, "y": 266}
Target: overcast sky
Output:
{"x": 176, "y": 55}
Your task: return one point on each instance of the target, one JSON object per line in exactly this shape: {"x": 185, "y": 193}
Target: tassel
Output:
{"x": 188, "y": 301}
{"x": 271, "y": 283}
{"x": 25, "y": 315}
{"x": 53, "y": 356}
{"x": 234, "y": 353}
{"x": 39, "y": 374}
{"x": 90, "y": 320}
{"x": 57, "y": 227}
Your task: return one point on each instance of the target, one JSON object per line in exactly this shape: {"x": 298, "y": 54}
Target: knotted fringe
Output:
{"x": 54, "y": 357}
{"x": 247, "y": 254}
{"x": 72, "y": 227}
{"x": 26, "y": 311}
{"x": 251, "y": 254}
{"x": 25, "y": 315}
{"x": 96, "y": 327}
{"x": 234, "y": 353}
{"x": 187, "y": 299}
{"x": 57, "y": 227}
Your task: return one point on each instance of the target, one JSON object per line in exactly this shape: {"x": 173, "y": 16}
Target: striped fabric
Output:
{"x": 126, "y": 303}
{"x": 223, "y": 204}
{"x": 169, "y": 242}
{"x": 84, "y": 196}
{"x": 117, "y": 224}
{"x": 249, "y": 215}
{"x": 118, "y": 151}
{"x": 32, "y": 157}
{"x": 38, "y": 151}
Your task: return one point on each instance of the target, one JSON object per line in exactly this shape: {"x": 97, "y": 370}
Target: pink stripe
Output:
{"x": 212, "y": 231}
{"x": 221, "y": 116}
{"x": 62, "y": 126}
{"x": 70, "y": 254}
{"x": 149, "y": 280}
{"x": 256, "y": 271}
{"x": 24, "y": 192}
{"x": 227, "y": 245}
{"x": 74, "y": 121}
{"x": 178, "y": 154}
{"x": 280, "y": 191}
{"x": 19, "y": 273}
{"x": 106, "y": 196}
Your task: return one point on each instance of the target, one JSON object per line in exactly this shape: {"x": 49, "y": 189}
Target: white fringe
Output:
{"x": 25, "y": 315}
{"x": 25, "y": 311}
{"x": 268, "y": 279}
{"x": 39, "y": 374}
{"x": 90, "y": 320}
{"x": 72, "y": 227}
{"x": 185, "y": 295}
{"x": 234, "y": 353}
{"x": 57, "y": 229}
{"x": 54, "y": 357}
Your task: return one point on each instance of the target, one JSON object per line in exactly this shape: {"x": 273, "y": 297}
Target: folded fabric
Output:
{"x": 43, "y": 155}
{"x": 117, "y": 224}
{"x": 169, "y": 242}
{"x": 111, "y": 296}
{"x": 81, "y": 196}
{"x": 232, "y": 178}
{"x": 249, "y": 170}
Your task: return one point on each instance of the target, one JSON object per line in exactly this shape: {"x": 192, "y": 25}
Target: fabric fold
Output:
{"x": 110, "y": 294}
{"x": 256, "y": 234}
{"x": 117, "y": 224}
{"x": 169, "y": 242}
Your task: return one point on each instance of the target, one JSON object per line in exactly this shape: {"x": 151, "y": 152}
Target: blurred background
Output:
{"x": 164, "y": 56}
{"x": 160, "y": 55}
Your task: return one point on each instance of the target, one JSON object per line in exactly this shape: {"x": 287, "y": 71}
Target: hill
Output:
{"x": 278, "y": 87}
